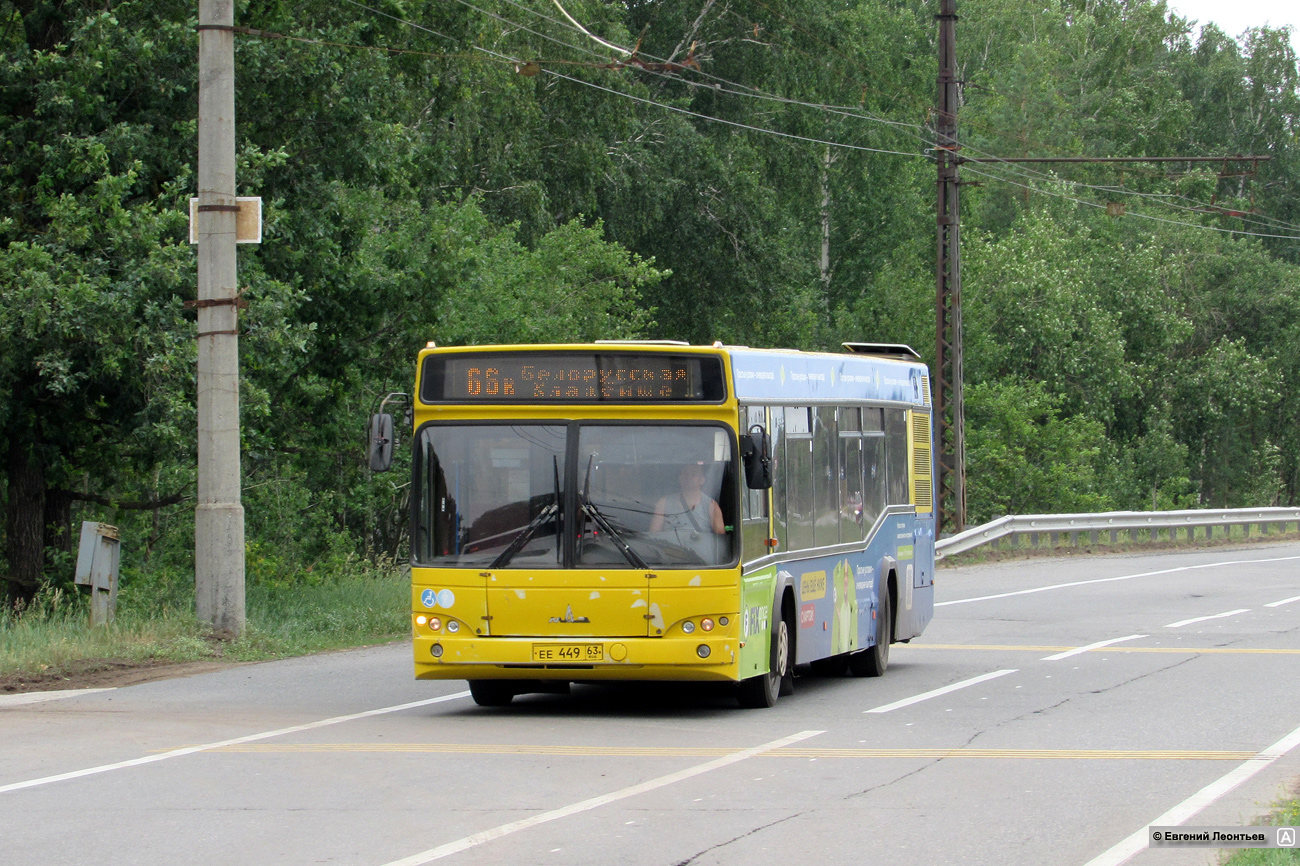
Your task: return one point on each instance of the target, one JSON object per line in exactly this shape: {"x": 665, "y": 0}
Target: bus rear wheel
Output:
{"x": 492, "y": 693}
{"x": 871, "y": 662}
{"x": 763, "y": 690}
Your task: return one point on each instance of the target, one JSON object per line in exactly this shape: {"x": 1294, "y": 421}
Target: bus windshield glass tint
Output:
{"x": 666, "y": 492}
{"x": 638, "y": 495}
{"x": 490, "y": 495}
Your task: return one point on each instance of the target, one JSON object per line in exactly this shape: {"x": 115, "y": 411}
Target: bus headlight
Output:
{"x": 688, "y": 626}
{"x": 436, "y": 650}
{"x": 706, "y": 624}
{"x": 703, "y": 650}
{"x": 453, "y": 626}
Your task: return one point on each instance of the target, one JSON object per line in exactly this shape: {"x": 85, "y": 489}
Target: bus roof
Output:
{"x": 868, "y": 372}
{"x": 785, "y": 376}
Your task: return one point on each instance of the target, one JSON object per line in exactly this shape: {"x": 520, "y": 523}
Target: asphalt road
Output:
{"x": 989, "y": 741}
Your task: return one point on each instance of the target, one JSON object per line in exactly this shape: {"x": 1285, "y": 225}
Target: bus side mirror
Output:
{"x": 381, "y": 442}
{"x": 756, "y": 452}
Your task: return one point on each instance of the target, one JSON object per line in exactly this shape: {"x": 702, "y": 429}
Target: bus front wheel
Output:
{"x": 763, "y": 690}
{"x": 492, "y": 693}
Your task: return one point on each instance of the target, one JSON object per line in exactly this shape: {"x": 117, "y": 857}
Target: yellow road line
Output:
{"x": 700, "y": 752}
{"x": 1106, "y": 649}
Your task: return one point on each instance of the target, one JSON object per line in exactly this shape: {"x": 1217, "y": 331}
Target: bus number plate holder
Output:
{"x": 568, "y": 652}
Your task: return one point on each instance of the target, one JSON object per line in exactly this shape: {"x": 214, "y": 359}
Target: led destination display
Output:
{"x": 572, "y": 377}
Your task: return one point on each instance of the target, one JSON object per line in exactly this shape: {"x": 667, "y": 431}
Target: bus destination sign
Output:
{"x": 572, "y": 377}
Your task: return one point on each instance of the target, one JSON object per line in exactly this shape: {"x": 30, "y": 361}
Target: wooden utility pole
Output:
{"x": 219, "y": 518}
{"x": 949, "y": 400}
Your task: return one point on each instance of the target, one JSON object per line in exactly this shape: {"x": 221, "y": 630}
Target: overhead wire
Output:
{"x": 1136, "y": 214}
{"x": 700, "y": 115}
{"x": 1196, "y": 206}
{"x": 846, "y": 111}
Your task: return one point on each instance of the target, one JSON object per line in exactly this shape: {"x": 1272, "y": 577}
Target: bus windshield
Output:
{"x": 636, "y": 496}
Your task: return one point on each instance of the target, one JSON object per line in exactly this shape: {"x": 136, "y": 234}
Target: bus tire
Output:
{"x": 872, "y": 661}
{"x": 492, "y": 693}
{"x": 787, "y": 616}
{"x": 762, "y": 691}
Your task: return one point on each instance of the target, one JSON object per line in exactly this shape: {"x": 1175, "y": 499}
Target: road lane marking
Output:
{"x": 480, "y": 838}
{"x": 1118, "y": 649}
{"x": 906, "y": 702}
{"x": 207, "y": 747}
{"x": 1136, "y": 843}
{"x": 1183, "y": 622}
{"x": 1092, "y": 646}
{"x": 1113, "y": 579}
{"x": 705, "y": 752}
{"x": 41, "y": 697}
{"x": 1283, "y": 601}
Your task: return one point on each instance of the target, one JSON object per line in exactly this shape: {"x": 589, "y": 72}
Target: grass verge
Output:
{"x": 52, "y": 640}
{"x": 1287, "y": 815}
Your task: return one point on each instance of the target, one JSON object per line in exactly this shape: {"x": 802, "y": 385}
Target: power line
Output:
{"x": 723, "y": 121}
{"x": 1133, "y": 214}
{"x": 747, "y": 91}
{"x": 640, "y": 99}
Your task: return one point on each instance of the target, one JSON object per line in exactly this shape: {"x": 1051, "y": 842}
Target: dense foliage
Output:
{"x": 755, "y": 171}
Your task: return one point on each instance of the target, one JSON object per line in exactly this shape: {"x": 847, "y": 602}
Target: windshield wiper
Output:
{"x": 589, "y": 508}
{"x": 533, "y": 525}
{"x": 524, "y": 537}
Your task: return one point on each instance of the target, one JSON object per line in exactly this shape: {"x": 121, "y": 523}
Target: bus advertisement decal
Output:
{"x": 812, "y": 585}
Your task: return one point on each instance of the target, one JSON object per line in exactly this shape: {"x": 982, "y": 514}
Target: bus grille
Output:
{"x": 922, "y": 463}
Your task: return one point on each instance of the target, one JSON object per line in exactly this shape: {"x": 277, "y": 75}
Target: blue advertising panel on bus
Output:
{"x": 785, "y": 376}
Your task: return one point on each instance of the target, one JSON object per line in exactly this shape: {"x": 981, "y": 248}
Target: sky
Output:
{"x": 1234, "y": 16}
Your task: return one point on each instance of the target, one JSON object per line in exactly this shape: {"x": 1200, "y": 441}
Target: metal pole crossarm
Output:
{"x": 219, "y": 517}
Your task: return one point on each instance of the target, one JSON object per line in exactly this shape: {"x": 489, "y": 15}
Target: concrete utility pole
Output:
{"x": 949, "y": 399}
{"x": 219, "y": 518}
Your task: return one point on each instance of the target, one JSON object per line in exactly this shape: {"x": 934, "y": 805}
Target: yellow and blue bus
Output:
{"x": 660, "y": 511}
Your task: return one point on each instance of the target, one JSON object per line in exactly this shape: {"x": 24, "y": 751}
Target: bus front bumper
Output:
{"x": 631, "y": 658}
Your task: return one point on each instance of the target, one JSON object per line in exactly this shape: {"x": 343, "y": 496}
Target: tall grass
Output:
{"x": 1287, "y": 815}
{"x": 155, "y": 622}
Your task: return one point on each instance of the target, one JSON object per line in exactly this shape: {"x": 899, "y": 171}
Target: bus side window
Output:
{"x": 800, "y": 507}
{"x": 826, "y": 484}
{"x": 852, "y": 501}
{"x": 873, "y": 478}
{"x": 896, "y": 456}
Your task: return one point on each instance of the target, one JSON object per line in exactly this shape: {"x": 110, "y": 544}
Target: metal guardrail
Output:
{"x": 1054, "y": 525}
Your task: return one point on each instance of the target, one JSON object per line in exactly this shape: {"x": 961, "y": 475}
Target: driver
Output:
{"x": 690, "y": 509}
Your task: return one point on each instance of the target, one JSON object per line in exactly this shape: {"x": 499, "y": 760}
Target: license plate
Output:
{"x": 568, "y": 652}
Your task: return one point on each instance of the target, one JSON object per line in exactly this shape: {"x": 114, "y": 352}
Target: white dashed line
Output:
{"x": 1183, "y": 622}
{"x": 595, "y": 802}
{"x": 907, "y": 702}
{"x": 1092, "y": 646}
{"x": 190, "y": 750}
